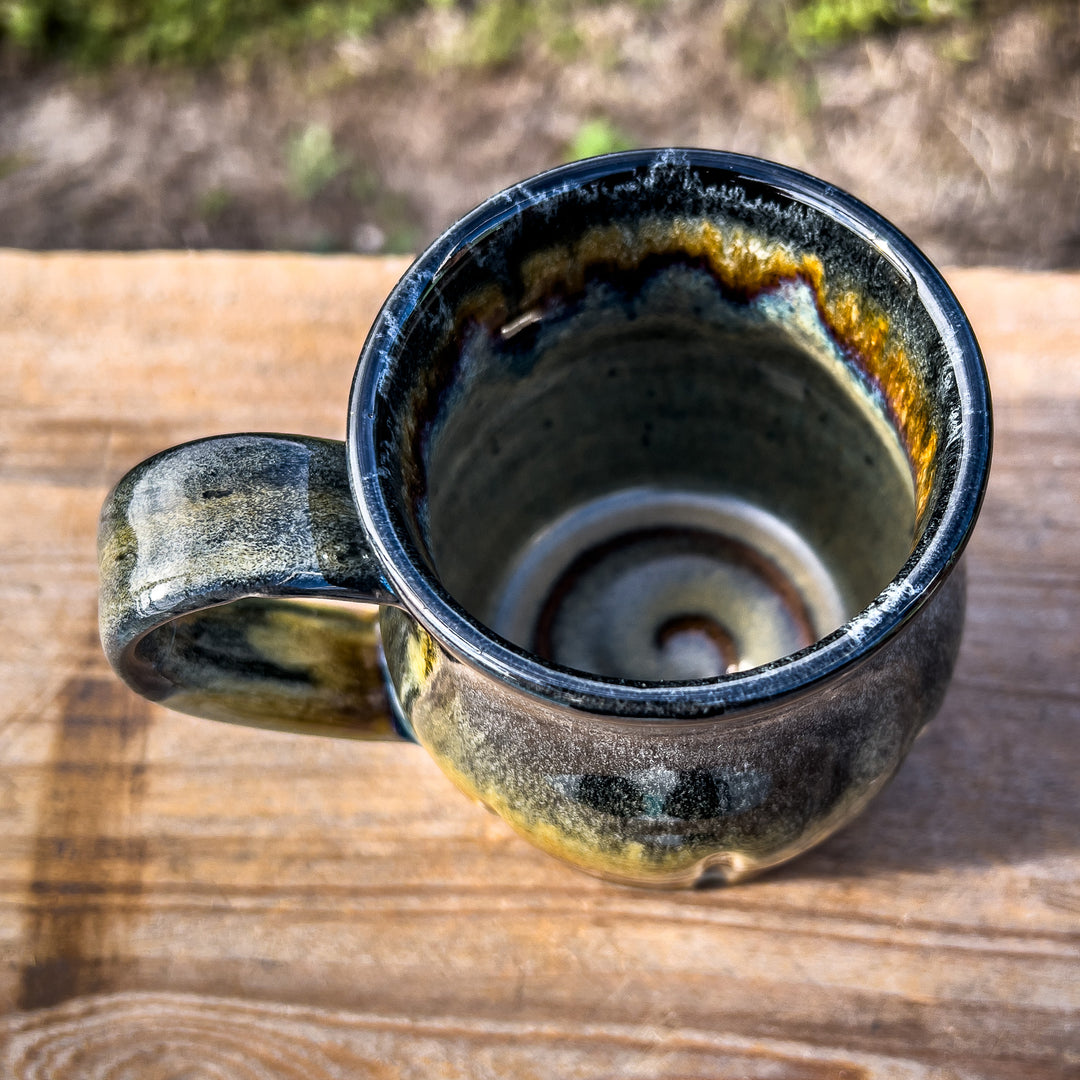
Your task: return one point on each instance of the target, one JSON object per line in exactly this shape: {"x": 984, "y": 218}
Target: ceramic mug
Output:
{"x": 659, "y": 466}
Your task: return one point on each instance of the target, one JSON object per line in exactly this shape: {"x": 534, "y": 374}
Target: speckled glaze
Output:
{"x": 630, "y": 331}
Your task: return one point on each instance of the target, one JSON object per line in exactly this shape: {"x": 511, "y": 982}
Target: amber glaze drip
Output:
{"x": 745, "y": 264}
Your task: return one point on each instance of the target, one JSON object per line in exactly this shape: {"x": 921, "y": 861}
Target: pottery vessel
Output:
{"x": 659, "y": 469}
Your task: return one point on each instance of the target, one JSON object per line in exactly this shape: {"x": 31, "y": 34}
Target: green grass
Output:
{"x": 773, "y": 38}
{"x": 193, "y": 33}
{"x": 598, "y": 136}
{"x": 822, "y": 23}
{"x": 497, "y": 31}
{"x": 99, "y": 33}
{"x": 312, "y": 161}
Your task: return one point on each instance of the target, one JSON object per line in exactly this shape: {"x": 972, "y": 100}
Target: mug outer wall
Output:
{"x": 672, "y": 804}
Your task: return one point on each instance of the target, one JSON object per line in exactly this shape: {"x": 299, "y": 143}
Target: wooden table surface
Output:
{"x": 184, "y": 899}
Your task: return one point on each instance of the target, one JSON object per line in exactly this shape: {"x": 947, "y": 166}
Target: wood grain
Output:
{"x": 185, "y": 899}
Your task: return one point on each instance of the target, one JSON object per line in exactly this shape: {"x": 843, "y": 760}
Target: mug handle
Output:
{"x": 196, "y": 548}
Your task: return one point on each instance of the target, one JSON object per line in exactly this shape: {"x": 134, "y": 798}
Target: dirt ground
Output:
{"x": 968, "y": 137}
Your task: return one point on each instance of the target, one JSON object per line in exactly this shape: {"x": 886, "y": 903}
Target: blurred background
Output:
{"x": 370, "y": 125}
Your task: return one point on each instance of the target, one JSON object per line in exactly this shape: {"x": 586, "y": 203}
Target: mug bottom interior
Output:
{"x": 664, "y": 585}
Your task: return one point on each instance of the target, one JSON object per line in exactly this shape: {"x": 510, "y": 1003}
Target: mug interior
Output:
{"x": 665, "y": 428}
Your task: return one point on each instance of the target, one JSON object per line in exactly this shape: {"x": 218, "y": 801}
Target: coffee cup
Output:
{"x": 647, "y": 526}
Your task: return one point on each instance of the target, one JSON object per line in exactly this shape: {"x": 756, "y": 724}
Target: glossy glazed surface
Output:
{"x": 192, "y": 546}
{"x": 678, "y": 803}
{"x": 702, "y": 402}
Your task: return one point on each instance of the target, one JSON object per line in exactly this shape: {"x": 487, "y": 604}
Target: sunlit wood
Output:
{"x": 180, "y": 898}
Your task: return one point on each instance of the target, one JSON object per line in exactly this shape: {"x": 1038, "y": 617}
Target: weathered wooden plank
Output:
{"x": 250, "y": 1039}
{"x": 178, "y": 896}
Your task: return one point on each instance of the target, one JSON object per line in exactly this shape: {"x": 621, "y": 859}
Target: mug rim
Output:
{"x": 415, "y": 588}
